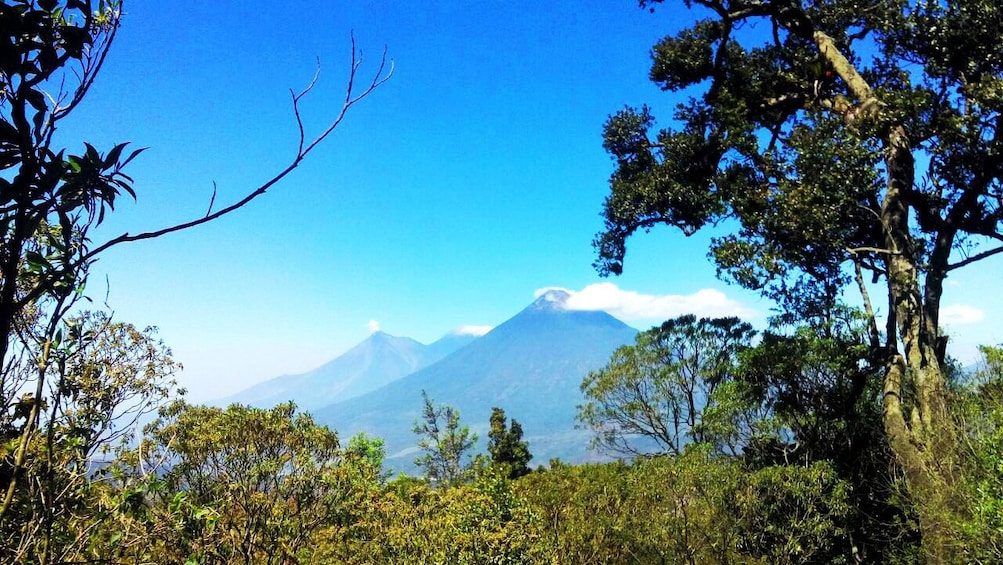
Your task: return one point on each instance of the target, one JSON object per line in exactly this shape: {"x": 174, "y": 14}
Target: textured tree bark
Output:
{"x": 922, "y": 439}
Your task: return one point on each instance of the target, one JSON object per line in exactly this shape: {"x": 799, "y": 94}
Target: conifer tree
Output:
{"x": 506, "y": 445}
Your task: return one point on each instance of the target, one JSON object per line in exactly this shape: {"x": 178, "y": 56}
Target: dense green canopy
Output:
{"x": 833, "y": 141}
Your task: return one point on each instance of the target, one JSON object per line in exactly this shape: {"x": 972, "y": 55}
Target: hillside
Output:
{"x": 375, "y": 362}
{"x": 531, "y": 366}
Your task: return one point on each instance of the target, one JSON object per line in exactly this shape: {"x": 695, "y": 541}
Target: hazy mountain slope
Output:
{"x": 378, "y": 360}
{"x": 531, "y": 365}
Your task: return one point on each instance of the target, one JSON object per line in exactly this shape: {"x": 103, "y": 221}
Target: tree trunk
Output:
{"x": 914, "y": 394}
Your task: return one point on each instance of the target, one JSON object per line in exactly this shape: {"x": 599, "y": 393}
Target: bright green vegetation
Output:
{"x": 781, "y": 461}
{"x": 446, "y": 445}
{"x": 827, "y": 439}
{"x": 836, "y": 145}
{"x": 506, "y": 447}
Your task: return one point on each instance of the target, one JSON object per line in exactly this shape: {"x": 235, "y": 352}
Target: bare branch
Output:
{"x": 383, "y": 73}
{"x": 974, "y": 258}
{"x": 296, "y": 100}
{"x": 872, "y": 323}
{"x": 856, "y": 250}
{"x": 212, "y": 200}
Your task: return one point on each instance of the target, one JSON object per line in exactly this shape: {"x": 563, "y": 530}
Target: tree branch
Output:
{"x": 855, "y": 250}
{"x": 868, "y": 104}
{"x": 974, "y": 258}
{"x": 382, "y": 75}
{"x": 872, "y": 323}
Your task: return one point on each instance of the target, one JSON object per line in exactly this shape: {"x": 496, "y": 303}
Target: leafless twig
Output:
{"x": 383, "y": 73}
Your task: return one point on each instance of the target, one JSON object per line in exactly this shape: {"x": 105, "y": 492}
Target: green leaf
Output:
{"x": 133, "y": 155}
{"x": 36, "y": 263}
{"x": 92, "y": 154}
{"x": 112, "y": 158}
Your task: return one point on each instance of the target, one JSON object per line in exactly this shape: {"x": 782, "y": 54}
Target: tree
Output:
{"x": 506, "y": 446}
{"x": 668, "y": 389}
{"x": 242, "y": 485}
{"x": 817, "y": 393}
{"x": 102, "y": 377}
{"x": 446, "y": 445}
{"x": 804, "y": 135}
{"x": 978, "y": 408}
{"x": 368, "y": 455}
{"x": 480, "y": 523}
{"x": 691, "y": 508}
{"x": 52, "y": 198}
{"x": 817, "y": 386}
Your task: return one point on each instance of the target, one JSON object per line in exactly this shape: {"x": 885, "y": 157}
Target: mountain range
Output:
{"x": 531, "y": 366}
{"x": 377, "y": 361}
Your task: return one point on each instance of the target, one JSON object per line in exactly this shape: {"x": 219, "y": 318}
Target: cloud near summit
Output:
{"x": 472, "y": 330}
{"x": 629, "y": 305}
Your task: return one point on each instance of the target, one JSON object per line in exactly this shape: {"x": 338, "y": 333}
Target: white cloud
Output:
{"x": 373, "y": 326}
{"x": 630, "y": 306}
{"x": 960, "y": 314}
{"x": 473, "y": 330}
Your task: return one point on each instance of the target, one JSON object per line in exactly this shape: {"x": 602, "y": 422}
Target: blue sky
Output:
{"x": 470, "y": 180}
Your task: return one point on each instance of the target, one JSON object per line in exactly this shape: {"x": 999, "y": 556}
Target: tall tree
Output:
{"x": 102, "y": 377}
{"x": 807, "y": 124}
{"x": 666, "y": 390}
{"x": 506, "y": 445}
{"x": 52, "y": 198}
{"x": 446, "y": 445}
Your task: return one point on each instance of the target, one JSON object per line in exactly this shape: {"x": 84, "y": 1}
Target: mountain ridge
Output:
{"x": 531, "y": 365}
{"x": 376, "y": 361}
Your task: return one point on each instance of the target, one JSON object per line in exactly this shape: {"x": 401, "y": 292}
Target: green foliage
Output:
{"x": 585, "y": 511}
{"x": 805, "y": 396}
{"x": 692, "y": 508}
{"x": 670, "y": 388}
{"x": 483, "y": 522}
{"x": 244, "y": 485}
{"x": 506, "y": 446}
{"x": 818, "y": 392}
{"x": 793, "y": 514}
{"x": 445, "y": 444}
{"x": 94, "y": 380}
{"x": 368, "y": 453}
{"x": 979, "y": 413}
{"x": 803, "y": 139}
{"x": 818, "y": 386}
